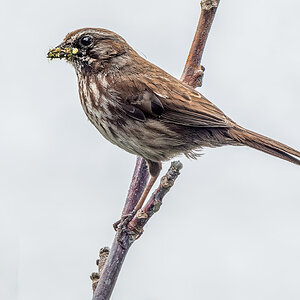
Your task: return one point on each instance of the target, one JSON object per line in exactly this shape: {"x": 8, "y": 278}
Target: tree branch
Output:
{"x": 138, "y": 183}
{"x": 126, "y": 235}
{"x": 193, "y": 71}
{"x": 137, "y": 224}
{"x": 129, "y": 231}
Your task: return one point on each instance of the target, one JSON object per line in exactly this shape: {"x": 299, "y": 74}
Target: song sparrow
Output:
{"x": 144, "y": 110}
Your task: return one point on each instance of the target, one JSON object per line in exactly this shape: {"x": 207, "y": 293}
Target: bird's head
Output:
{"x": 91, "y": 49}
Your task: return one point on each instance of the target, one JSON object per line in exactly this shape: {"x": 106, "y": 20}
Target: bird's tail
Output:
{"x": 265, "y": 144}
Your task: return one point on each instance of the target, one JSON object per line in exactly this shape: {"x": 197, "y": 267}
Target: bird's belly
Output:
{"x": 150, "y": 139}
{"x": 135, "y": 139}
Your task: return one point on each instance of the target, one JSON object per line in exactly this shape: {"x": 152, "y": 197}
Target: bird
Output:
{"x": 144, "y": 110}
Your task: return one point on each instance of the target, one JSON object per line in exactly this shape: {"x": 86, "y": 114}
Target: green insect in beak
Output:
{"x": 60, "y": 53}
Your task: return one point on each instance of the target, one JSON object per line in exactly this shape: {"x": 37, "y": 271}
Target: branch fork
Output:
{"x": 154, "y": 203}
{"x": 133, "y": 224}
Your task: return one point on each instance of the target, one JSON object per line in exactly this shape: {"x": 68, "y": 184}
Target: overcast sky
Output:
{"x": 229, "y": 228}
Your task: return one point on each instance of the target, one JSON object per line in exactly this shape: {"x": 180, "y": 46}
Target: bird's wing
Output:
{"x": 173, "y": 102}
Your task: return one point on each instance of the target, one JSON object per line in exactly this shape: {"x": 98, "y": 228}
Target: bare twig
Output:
{"x": 193, "y": 71}
{"x": 192, "y": 75}
{"x": 137, "y": 186}
{"x": 153, "y": 205}
{"x": 103, "y": 254}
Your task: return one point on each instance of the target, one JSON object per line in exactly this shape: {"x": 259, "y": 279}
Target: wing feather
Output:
{"x": 159, "y": 94}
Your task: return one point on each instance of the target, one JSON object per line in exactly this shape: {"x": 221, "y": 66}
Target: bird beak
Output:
{"x": 62, "y": 52}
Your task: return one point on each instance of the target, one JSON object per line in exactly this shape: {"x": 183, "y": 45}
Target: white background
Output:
{"x": 229, "y": 229}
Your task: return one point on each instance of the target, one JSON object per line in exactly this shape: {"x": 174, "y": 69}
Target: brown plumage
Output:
{"x": 144, "y": 110}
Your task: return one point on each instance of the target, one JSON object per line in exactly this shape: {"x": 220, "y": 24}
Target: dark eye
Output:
{"x": 86, "y": 41}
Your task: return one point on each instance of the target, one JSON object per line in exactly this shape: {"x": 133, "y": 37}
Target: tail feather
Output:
{"x": 265, "y": 144}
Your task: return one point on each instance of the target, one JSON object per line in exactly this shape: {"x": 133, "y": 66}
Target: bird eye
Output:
{"x": 86, "y": 41}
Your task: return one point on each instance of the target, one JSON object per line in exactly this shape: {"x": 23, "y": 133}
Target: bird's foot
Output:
{"x": 124, "y": 221}
{"x": 123, "y": 227}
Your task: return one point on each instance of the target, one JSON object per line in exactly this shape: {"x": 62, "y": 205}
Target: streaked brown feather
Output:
{"x": 182, "y": 104}
{"x": 146, "y": 111}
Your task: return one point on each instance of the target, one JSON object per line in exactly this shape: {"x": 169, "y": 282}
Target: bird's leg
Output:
{"x": 145, "y": 193}
{"x": 154, "y": 170}
{"x": 123, "y": 222}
